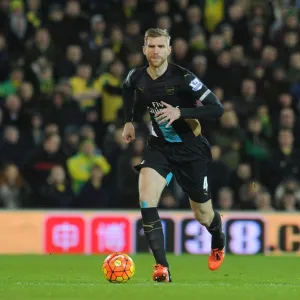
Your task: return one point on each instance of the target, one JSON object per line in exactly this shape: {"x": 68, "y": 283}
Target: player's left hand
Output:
{"x": 169, "y": 113}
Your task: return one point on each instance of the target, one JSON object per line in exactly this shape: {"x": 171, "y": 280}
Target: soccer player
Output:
{"x": 175, "y": 99}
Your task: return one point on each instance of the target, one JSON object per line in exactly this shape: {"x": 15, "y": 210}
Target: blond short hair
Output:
{"x": 156, "y": 32}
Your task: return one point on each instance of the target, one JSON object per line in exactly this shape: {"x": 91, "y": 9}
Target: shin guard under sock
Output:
{"x": 154, "y": 234}
{"x": 215, "y": 229}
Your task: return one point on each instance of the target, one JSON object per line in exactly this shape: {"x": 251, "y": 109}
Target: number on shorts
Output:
{"x": 205, "y": 184}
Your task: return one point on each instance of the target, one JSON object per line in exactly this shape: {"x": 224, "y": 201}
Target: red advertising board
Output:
{"x": 65, "y": 234}
{"x": 110, "y": 234}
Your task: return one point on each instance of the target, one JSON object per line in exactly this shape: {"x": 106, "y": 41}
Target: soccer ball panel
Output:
{"x": 117, "y": 263}
{"x": 104, "y": 271}
{"x": 113, "y": 277}
{"x": 119, "y": 273}
{"x": 108, "y": 275}
{"x": 119, "y": 278}
{"x": 122, "y": 267}
{"x": 132, "y": 269}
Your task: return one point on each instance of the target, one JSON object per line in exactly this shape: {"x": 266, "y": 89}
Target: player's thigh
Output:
{"x": 151, "y": 185}
{"x": 195, "y": 179}
{"x": 155, "y": 174}
{"x": 201, "y": 208}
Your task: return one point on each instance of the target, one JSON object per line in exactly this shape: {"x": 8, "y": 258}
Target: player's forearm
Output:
{"x": 212, "y": 108}
{"x": 128, "y": 104}
{"x": 210, "y": 111}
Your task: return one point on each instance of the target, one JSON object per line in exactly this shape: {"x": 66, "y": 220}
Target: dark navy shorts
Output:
{"x": 188, "y": 162}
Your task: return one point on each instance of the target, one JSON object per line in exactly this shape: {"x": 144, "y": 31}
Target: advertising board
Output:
{"x": 96, "y": 232}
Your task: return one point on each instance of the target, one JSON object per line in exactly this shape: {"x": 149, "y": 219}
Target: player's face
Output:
{"x": 157, "y": 50}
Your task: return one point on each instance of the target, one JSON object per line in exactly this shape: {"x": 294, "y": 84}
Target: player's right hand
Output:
{"x": 128, "y": 134}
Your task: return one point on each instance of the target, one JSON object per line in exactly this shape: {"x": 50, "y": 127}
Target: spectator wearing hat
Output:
{"x": 97, "y": 37}
{"x": 96, "y": 41}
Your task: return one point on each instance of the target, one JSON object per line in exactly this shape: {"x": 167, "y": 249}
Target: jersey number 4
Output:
{"x": 205, "y": 184}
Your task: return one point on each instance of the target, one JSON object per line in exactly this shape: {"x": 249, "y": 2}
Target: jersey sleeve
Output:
{"x": 211, "y": 106}
{"x": 129, "y": 96}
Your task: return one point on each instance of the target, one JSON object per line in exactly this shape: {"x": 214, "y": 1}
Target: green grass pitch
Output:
{"x": 80, "y": 278}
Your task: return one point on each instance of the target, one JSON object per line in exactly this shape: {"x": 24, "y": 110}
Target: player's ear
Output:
{"x": 144, "y": 50}
{"x": 169, "y": 50}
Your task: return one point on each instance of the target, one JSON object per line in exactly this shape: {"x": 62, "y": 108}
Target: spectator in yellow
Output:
{"x": 80, "y": 165}
{"x": 213, "y": 13}
{"x": 82, "y": 89}
{"x": 109, "y": 85}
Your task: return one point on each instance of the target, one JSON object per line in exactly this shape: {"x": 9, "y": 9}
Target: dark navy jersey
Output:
{"x": 178, "y": 87}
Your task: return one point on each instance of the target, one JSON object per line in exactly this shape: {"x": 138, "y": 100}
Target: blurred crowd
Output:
{"x": 62, "y": 65}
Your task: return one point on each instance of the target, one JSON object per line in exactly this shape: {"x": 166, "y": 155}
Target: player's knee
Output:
{"x": 204, "y": 218}
{"x": 151, "y": 184}
{"x": 146, "y": 200}
{"x": 148, "y": 197}
{"x": 146, "y": 203}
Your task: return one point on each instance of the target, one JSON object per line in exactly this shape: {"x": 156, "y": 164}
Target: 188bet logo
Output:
{"x": 245, "y": 236}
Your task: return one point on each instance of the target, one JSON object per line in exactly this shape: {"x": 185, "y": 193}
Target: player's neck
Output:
{"x": 157, "y": 72}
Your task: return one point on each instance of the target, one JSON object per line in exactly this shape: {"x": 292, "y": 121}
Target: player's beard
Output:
{"x": 156, "y": 63}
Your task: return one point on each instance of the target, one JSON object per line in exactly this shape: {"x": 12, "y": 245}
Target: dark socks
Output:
{"x": 215, "y": 229}
{"x": 154, "y": 234}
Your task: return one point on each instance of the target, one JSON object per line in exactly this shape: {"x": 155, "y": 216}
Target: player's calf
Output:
{"x": 154, "y": 233}
{"x": 151, "y": 185}
{"x": 204, "y": 218}
{"x": 212, "y": 221}
{"x": 215, "y": 229}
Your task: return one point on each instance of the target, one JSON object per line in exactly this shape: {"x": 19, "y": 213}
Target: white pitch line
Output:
{"x": 266, "y": 284}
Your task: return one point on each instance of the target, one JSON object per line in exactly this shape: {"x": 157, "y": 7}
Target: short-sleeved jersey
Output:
{"x": 178, "y": 87}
